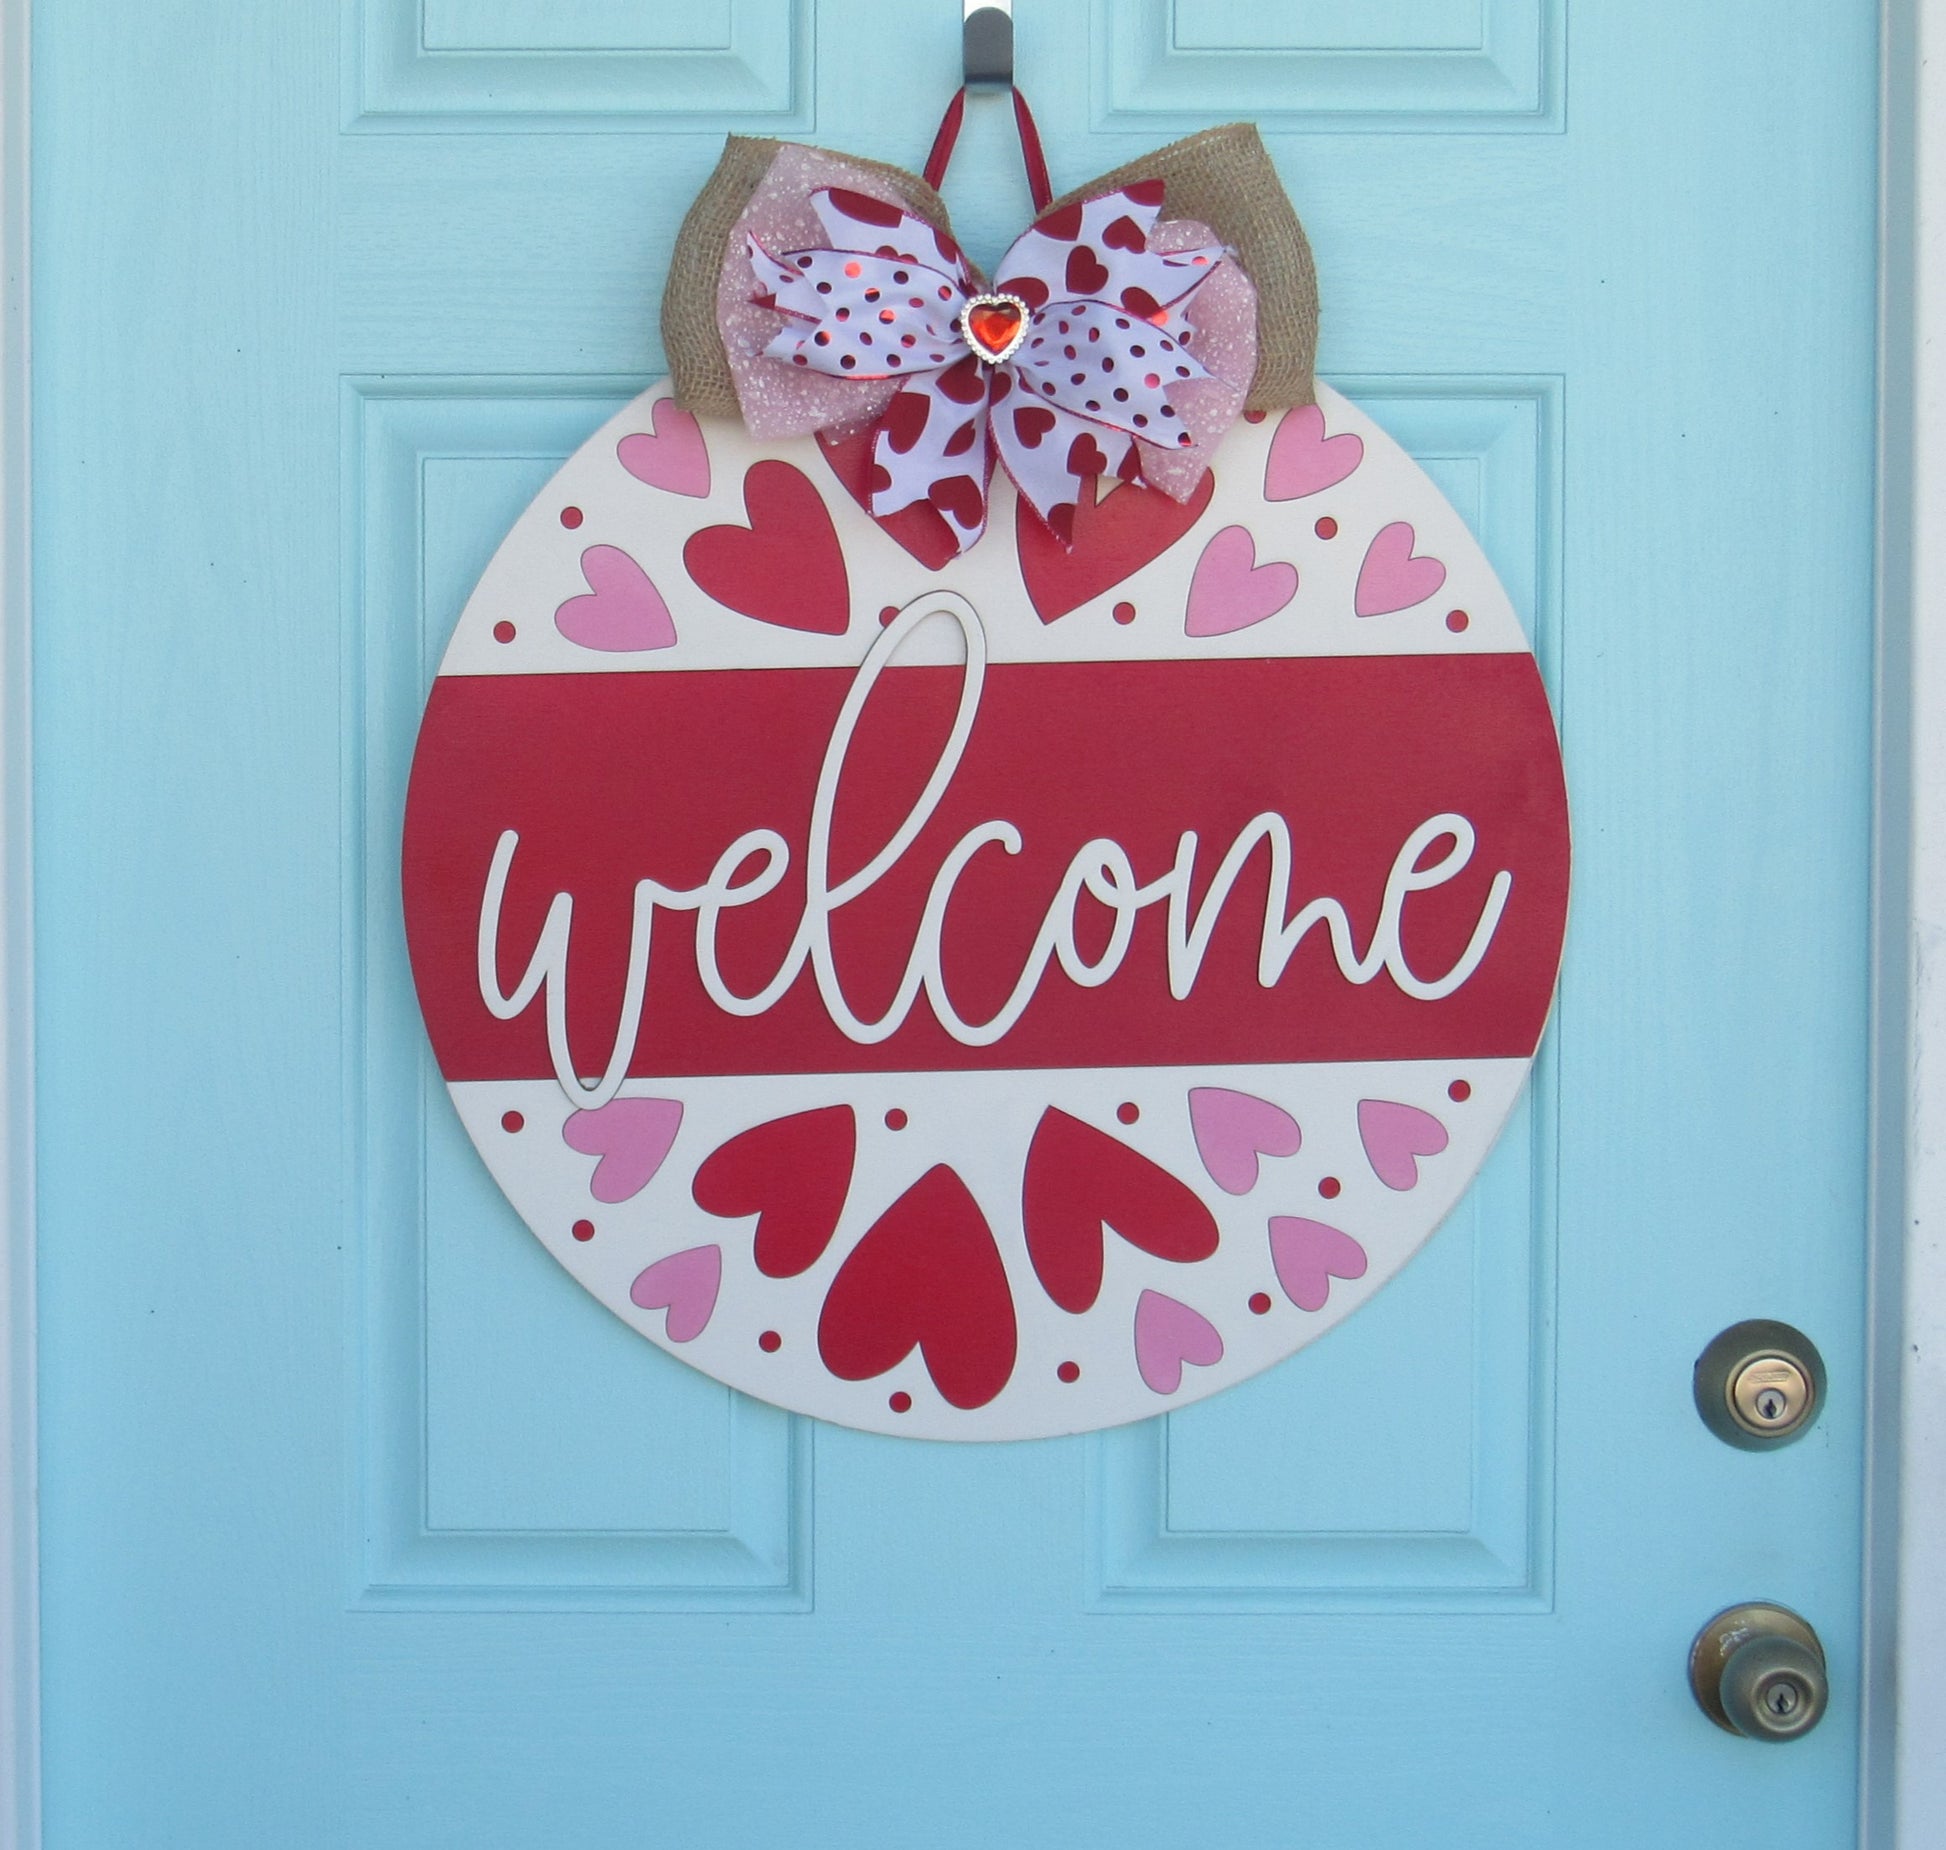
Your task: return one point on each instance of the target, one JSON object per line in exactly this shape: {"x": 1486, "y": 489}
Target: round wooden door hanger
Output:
{"x": 991, "y": 996}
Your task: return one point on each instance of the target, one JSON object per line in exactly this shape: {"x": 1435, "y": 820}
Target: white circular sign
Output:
{"x": 985, "y": 996}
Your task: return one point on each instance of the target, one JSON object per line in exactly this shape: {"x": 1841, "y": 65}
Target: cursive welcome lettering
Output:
{"x": 753, "y": 865}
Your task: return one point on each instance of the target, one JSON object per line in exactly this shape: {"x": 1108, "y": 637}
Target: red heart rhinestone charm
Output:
{"x": 994, "y": 325}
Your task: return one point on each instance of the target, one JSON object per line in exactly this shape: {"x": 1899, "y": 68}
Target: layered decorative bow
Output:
{"x": 1090, "y": 357}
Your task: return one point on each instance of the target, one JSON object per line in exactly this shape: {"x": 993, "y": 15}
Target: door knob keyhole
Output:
{"x": 1758, "y": 1671}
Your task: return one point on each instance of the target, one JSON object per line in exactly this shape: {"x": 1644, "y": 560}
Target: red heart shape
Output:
{"x": 786, "y": 567}
{"x": 958, "y": 495}
{"x": 1032, "y": 423}
{"x": 793, "y": 1174}
{"x": 1080, "y": 1181}
{"x": 921, "y": 529}
{"x": 1113, "y": 540}
{"x": 966, "y": 382}
{"x": 1063, "y": 223}
{"x": 905, "y": 419}
{"x": 1085, "y": 456}
{"x": 993, "y": 325}
{"x": 927, "y": 1275}
{"x": 1125, "y": 235}
{"x": 1086, "y": 274}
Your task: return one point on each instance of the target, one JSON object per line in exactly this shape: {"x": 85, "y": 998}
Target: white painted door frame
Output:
{"x": 1903, "y": 1787}
{"x": 1903, "y": 1782}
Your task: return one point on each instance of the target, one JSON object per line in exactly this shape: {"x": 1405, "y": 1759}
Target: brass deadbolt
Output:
{"x": 1759, "y": 1385}
{"x": 1758, "y": 1670}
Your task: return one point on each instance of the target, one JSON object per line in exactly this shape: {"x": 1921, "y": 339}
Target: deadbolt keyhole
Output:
{"x": 1759, "y": 1384}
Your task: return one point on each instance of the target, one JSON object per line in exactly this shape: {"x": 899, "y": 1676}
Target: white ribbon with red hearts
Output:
{"x": 1071, "y": 367}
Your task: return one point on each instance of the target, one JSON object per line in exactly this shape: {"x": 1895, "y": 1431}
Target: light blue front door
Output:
{"x": 365, "y": 1527}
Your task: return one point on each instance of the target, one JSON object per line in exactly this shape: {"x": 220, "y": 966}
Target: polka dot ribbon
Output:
{"x": 1078, "y": 363}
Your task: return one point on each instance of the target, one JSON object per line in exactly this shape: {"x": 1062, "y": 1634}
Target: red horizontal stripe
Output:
{"x": 610, "y": 778}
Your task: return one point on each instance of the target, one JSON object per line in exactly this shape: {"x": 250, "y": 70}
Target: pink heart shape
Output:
{"x": 1395, "y": 1136}
{"x": 684, "y": 1284}
{"x": 1231, "y": 591}
{"x": 630, "y": 1135}
{"x": 1304, "y": 461}
{"x": 623, "y": 610}
{"x": 671, "y": 454}
{"x": 1392, "y": 577}
{"x": 1233, "y": 1129}
{"x": 1308, "y": 1255}
{"x": 1168, "y": 1334}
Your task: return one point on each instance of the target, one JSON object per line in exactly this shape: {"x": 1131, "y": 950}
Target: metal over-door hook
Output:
{"x": 987, "y": 41}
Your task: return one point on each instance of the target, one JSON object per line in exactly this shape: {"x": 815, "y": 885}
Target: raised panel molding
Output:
{"x": 1492, "y": 442}
{"x": 473, "y": 65}
{"x": 1329, "y": 25}
{"x": 1483, "y": 1479}
{"x": 574, "y": 25}
{"x": 1414, "y": 1444}
{"x": 1394, "y": 65}
{"x": 512, "y": 1444}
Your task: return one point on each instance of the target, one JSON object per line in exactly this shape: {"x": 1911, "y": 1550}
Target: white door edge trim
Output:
{"x": 1903, "y": 1778}
{"x": 19, "y": 1551}
{"x": 1903, "y": 1786}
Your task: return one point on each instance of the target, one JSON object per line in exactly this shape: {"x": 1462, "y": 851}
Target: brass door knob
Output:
{"x": 1758, "y": 1671}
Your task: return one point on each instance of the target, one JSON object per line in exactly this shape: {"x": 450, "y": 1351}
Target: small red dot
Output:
{"x": 1255, "y": 417}
{"x": 1069, "y": 1371}
{"x": 1128, "y": 1112}
{"x": 1124, "y": 613}
{"x": 571, "y": 518}
{"x": 901, "y": 1402}
{"x": 1459, "y": 1092}
{"x": 1260, "y": 1303}
{"x": 1326, "y": 529}
{"x": 1331, "y": 1188}
{"x": 896, "y": 1120}
{"x": 886, "y": 615}
{"x": 583, "y": 1230}
{"x": 512, "y": 1121}
{"x": 503, "y": 631}
{"x": 770, "y": 1342}
{"x": 1457, "y": 620}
